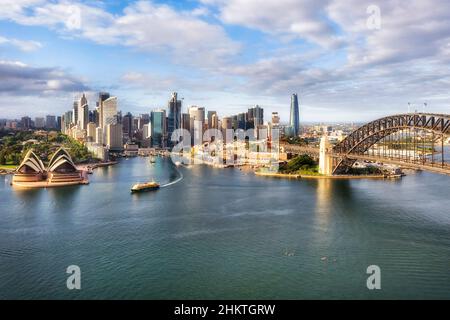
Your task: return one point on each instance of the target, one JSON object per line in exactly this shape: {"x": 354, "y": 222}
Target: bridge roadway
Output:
{"x": 416, "y": 165}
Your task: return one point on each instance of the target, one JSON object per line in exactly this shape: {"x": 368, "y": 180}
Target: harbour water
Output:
{"x": 225, "y": 233}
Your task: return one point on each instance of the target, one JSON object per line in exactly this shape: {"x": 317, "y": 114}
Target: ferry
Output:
{"x": 148, "y": 186}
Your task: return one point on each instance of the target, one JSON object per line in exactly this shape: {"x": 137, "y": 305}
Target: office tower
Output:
{"x": 68, "y": 120}
{"x": 39, "y": 122}
{"x": 234, "y": 122}
{"x": 83, "y": 113}
{"x": 91, "y": 131}
{"x": 127, "y": 123}
{"x": 197, "y": 121}
{"x": 50, "y": 122}
{"x": 93, "y": 116}
{"x": 147, "y": 131}
{"x": 186, "y": 121}
{"x": 99, "y": 135}
{"x": 198, "y": 113}
{"x": 158, "y": 128}
{"x": 25, "y": 122}
{"x": 174, "y": 117}
{"x": 102, "y": 96}
{"x": 210, "y": 118}
{"x": 75, "y": 113}
{"x": 58, "y": 123}
{"x": 114, "y": 136}
{"x": 241, "y": 120}
{"x": 294, "y": 120}
{"x": 109, "y": 114}
{"x": 256, "y": 116}
{"x": 63, "y": 124}
{"x": 144, "y": 118}
{"x": 227, "y": 124}
{"x": 109, "y": 111}
{"x": 215, "y": 121}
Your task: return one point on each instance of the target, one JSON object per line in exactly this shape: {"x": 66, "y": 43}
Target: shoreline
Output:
{"x": 337, "y": 177}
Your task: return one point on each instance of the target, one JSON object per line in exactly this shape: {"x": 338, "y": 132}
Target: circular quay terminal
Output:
{"x": 212, "y": 159}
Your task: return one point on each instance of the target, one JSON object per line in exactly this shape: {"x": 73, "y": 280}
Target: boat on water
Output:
{"x": 148, "y": 186}
{"x": 152, "y": 159}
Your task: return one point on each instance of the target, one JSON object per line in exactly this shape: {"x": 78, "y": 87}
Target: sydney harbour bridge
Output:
{"x": 412, "y": 140}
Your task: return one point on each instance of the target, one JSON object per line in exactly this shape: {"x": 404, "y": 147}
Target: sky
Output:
{"x": 352, "y": 60}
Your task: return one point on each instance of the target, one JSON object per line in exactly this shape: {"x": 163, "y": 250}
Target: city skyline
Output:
{"x": 246, "y": 55}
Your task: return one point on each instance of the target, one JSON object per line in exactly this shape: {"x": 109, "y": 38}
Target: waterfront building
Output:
{"x": 127, "y": 122}
{"x": 158, "y": 128}
{"x": 114, "y": 136}
{"x": 91, "y": 132}
{"x": 60, "y": 171}
{"x": 30, "y": 170}
{"x": 294, "y": 119}
{"x": 99, "y": 135}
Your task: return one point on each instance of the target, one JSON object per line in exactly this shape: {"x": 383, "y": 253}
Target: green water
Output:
{"x": 224, "y": 233}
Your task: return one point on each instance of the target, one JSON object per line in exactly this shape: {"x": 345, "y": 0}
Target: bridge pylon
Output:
{"x": 325, "y": 159}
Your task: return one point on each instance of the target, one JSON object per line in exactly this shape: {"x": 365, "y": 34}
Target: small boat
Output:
{"x": 148, "y": 186}
{"x": 152, "y": 159}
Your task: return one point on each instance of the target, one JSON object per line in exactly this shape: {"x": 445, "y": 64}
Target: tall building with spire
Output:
{"x": 294, "y": 120}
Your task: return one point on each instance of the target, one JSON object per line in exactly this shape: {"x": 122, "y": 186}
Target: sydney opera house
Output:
{"x": 61, "y": 171}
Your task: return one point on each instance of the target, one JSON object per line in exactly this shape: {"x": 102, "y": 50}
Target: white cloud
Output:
{"x": 293, "y": 18}
{"x": 20, "y": 79}
{"x": 24, "y": 45}
{"x": 143, "y": 25}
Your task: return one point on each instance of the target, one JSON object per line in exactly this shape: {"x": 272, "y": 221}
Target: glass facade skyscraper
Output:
{"x": 174, "y": 118}
{"x": 158, "y": 128}
{"x": 294, "y": 120}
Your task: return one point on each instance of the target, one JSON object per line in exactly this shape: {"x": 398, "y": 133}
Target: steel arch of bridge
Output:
{"x": 360, "y": 140}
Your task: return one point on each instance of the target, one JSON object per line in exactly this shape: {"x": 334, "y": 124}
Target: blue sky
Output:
{"x": 227, "y": 55}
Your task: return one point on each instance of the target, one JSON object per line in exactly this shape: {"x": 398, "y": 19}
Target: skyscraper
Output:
{"x": 127, "y": 122}
{"x": 174, "y": 118}
{"x": 109, "y": 114}
{"x": 83, "y": 113}
{"x": 50, "y": 122}
{"x": 114, "y": 136}
{"x": 294, "y": 120}
{"x": 102, "y": 96}
{"x": 255, "y": 116}
{"x": 158, "y": 128}
{"x": 75, "y": 113}
{"x": 210, "y": 116}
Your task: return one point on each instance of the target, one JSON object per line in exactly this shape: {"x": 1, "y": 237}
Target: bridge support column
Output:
{"x": 325, "y": 160}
